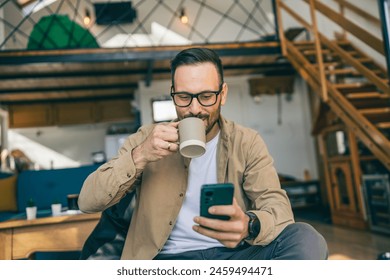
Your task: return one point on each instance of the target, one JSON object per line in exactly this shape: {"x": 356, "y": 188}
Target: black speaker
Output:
{"x": 114, "y": 13}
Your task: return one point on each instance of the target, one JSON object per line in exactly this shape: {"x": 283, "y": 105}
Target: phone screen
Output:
{"x": 215, "y": 194}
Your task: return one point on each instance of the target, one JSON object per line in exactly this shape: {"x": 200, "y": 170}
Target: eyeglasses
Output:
{"x": 205, "y": 98}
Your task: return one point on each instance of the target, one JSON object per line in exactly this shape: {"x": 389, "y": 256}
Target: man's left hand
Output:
{"x": 231, "y": 232}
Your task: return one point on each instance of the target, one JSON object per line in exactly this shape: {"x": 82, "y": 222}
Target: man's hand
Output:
{"x": 161, "y": 142}
{"x": 230, "y": 233}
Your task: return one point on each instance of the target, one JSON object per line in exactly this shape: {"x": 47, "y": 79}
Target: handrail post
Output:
{"x": 276, "y": 23}
{"x": 342, "y": 12}
{"x": 282, "y": 38}
{"x": 318, "y": 51}
{"x": 384, "y": 10}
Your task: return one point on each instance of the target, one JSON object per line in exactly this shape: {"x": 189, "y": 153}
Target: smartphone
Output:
{"x": 215, "y": 194}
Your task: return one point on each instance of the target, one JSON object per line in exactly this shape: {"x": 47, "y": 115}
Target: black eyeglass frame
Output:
{"x": 196, "y": 96}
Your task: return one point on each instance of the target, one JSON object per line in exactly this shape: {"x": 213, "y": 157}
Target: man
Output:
{"x": 165, "y": 223}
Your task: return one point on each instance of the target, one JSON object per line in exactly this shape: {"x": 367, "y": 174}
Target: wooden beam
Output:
{"x": 34, "y": 84}
{"x": 132, "y": 54}
{"x": 367, "y": 95}
{"x": 66, "y": 95}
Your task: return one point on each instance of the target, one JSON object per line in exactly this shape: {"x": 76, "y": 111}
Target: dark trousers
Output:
{"x": 298, "y": 241}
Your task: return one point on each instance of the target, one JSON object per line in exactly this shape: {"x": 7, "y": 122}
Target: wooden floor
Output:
{"x": 346, "y": 243}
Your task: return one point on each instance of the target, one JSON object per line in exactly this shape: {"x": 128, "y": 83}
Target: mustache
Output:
{"x": 199, "y": 116}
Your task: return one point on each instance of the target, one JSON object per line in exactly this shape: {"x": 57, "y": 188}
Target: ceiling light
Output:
{"x": 183, "y": 16}
{"x": 87, "y": 18}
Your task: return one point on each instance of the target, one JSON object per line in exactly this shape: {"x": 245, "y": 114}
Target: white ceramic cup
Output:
{"x": 192, "y": 133}
{"x": 31, "y": 212}
{"x": 56, "y": 209}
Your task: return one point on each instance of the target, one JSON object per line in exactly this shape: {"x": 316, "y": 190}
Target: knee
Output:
{"x": 306, "y": 242}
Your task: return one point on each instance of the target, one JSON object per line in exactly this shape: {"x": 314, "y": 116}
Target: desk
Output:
{"x": 21, "y": 238}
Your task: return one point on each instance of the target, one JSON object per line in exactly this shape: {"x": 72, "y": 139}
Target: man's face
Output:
{"x": 195, "y": 79}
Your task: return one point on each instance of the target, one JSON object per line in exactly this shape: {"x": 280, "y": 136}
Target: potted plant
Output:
{"x": 31, "y": 209}
{"x": 56, "y": 208}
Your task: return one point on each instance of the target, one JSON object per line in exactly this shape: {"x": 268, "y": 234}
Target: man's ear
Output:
{"x": 224, "y": 93}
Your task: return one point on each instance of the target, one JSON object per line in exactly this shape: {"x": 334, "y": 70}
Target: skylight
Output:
{"x": 160, "y": 36}
{"x": 35, "y": 6}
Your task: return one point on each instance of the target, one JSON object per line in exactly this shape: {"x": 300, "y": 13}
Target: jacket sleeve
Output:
{"x": 112, "y": 180}
{"x": 262, "y": 187}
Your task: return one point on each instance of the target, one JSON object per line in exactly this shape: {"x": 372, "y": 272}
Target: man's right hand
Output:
{"x": 161, "y": 142}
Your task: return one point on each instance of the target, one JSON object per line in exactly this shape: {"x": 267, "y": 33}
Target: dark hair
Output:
{"x": 195, "y": 56}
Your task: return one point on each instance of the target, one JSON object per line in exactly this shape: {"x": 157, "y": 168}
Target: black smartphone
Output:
{"x": 215, "y": 194}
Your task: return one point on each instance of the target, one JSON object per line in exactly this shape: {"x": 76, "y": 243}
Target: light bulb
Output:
{"x": 183, "y": 16}
{"x": 87, "y": 18}
{"x": 184, "y": 19}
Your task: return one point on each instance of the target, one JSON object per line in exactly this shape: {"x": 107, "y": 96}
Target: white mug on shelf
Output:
{"x": 31, "y": 212}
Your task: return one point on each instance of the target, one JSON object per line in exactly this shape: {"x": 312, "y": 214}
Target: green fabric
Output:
{"x": 59, "y": 32}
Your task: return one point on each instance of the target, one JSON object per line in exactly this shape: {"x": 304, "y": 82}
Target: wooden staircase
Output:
{"x": 350, "y": 82}
{"x": 369, "y": 100}
{"x": 361, "y": 102}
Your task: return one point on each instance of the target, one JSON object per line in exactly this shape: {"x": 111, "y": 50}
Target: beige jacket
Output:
{"x": 242, "y": 159}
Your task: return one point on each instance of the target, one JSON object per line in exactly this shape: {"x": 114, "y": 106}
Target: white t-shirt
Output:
{"x": 202, "y": 170}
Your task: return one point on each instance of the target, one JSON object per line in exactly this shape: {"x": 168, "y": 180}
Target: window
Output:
{"x": 163, "y": 109}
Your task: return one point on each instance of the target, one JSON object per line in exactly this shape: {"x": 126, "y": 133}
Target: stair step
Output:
{"x": 364, "y": 59}
{"x": 314, "y": 52}
{"x": 383, "y": 125}
{"x": 376, "y": 115}
{"x": 375, "y": 111}
{"x": 345, "y": 45}
{"x": 349, "y": 86}
{"x": 356, "y": 88}
{"x": 341, "y": 71}
{"x": 310, "y": 52}
{"x": 346, "y": 71}
{"x": 327, "y": 64}
{"x": 372, "y": 103}
{"x": 364, "y": 95}
{"x": 303, "y": 43}
{"x": 342, "y": 42}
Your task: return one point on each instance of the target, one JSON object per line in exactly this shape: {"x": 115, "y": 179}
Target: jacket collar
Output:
{"x": 223, "y": 149}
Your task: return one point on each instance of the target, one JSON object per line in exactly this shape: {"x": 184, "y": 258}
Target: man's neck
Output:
{"x": 213, "y": 132}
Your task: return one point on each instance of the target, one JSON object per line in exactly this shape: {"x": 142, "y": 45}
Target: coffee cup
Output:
{"x": 192, "y": 134}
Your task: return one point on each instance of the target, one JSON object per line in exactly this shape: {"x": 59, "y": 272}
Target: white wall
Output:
{"x": 290, "y": 143}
